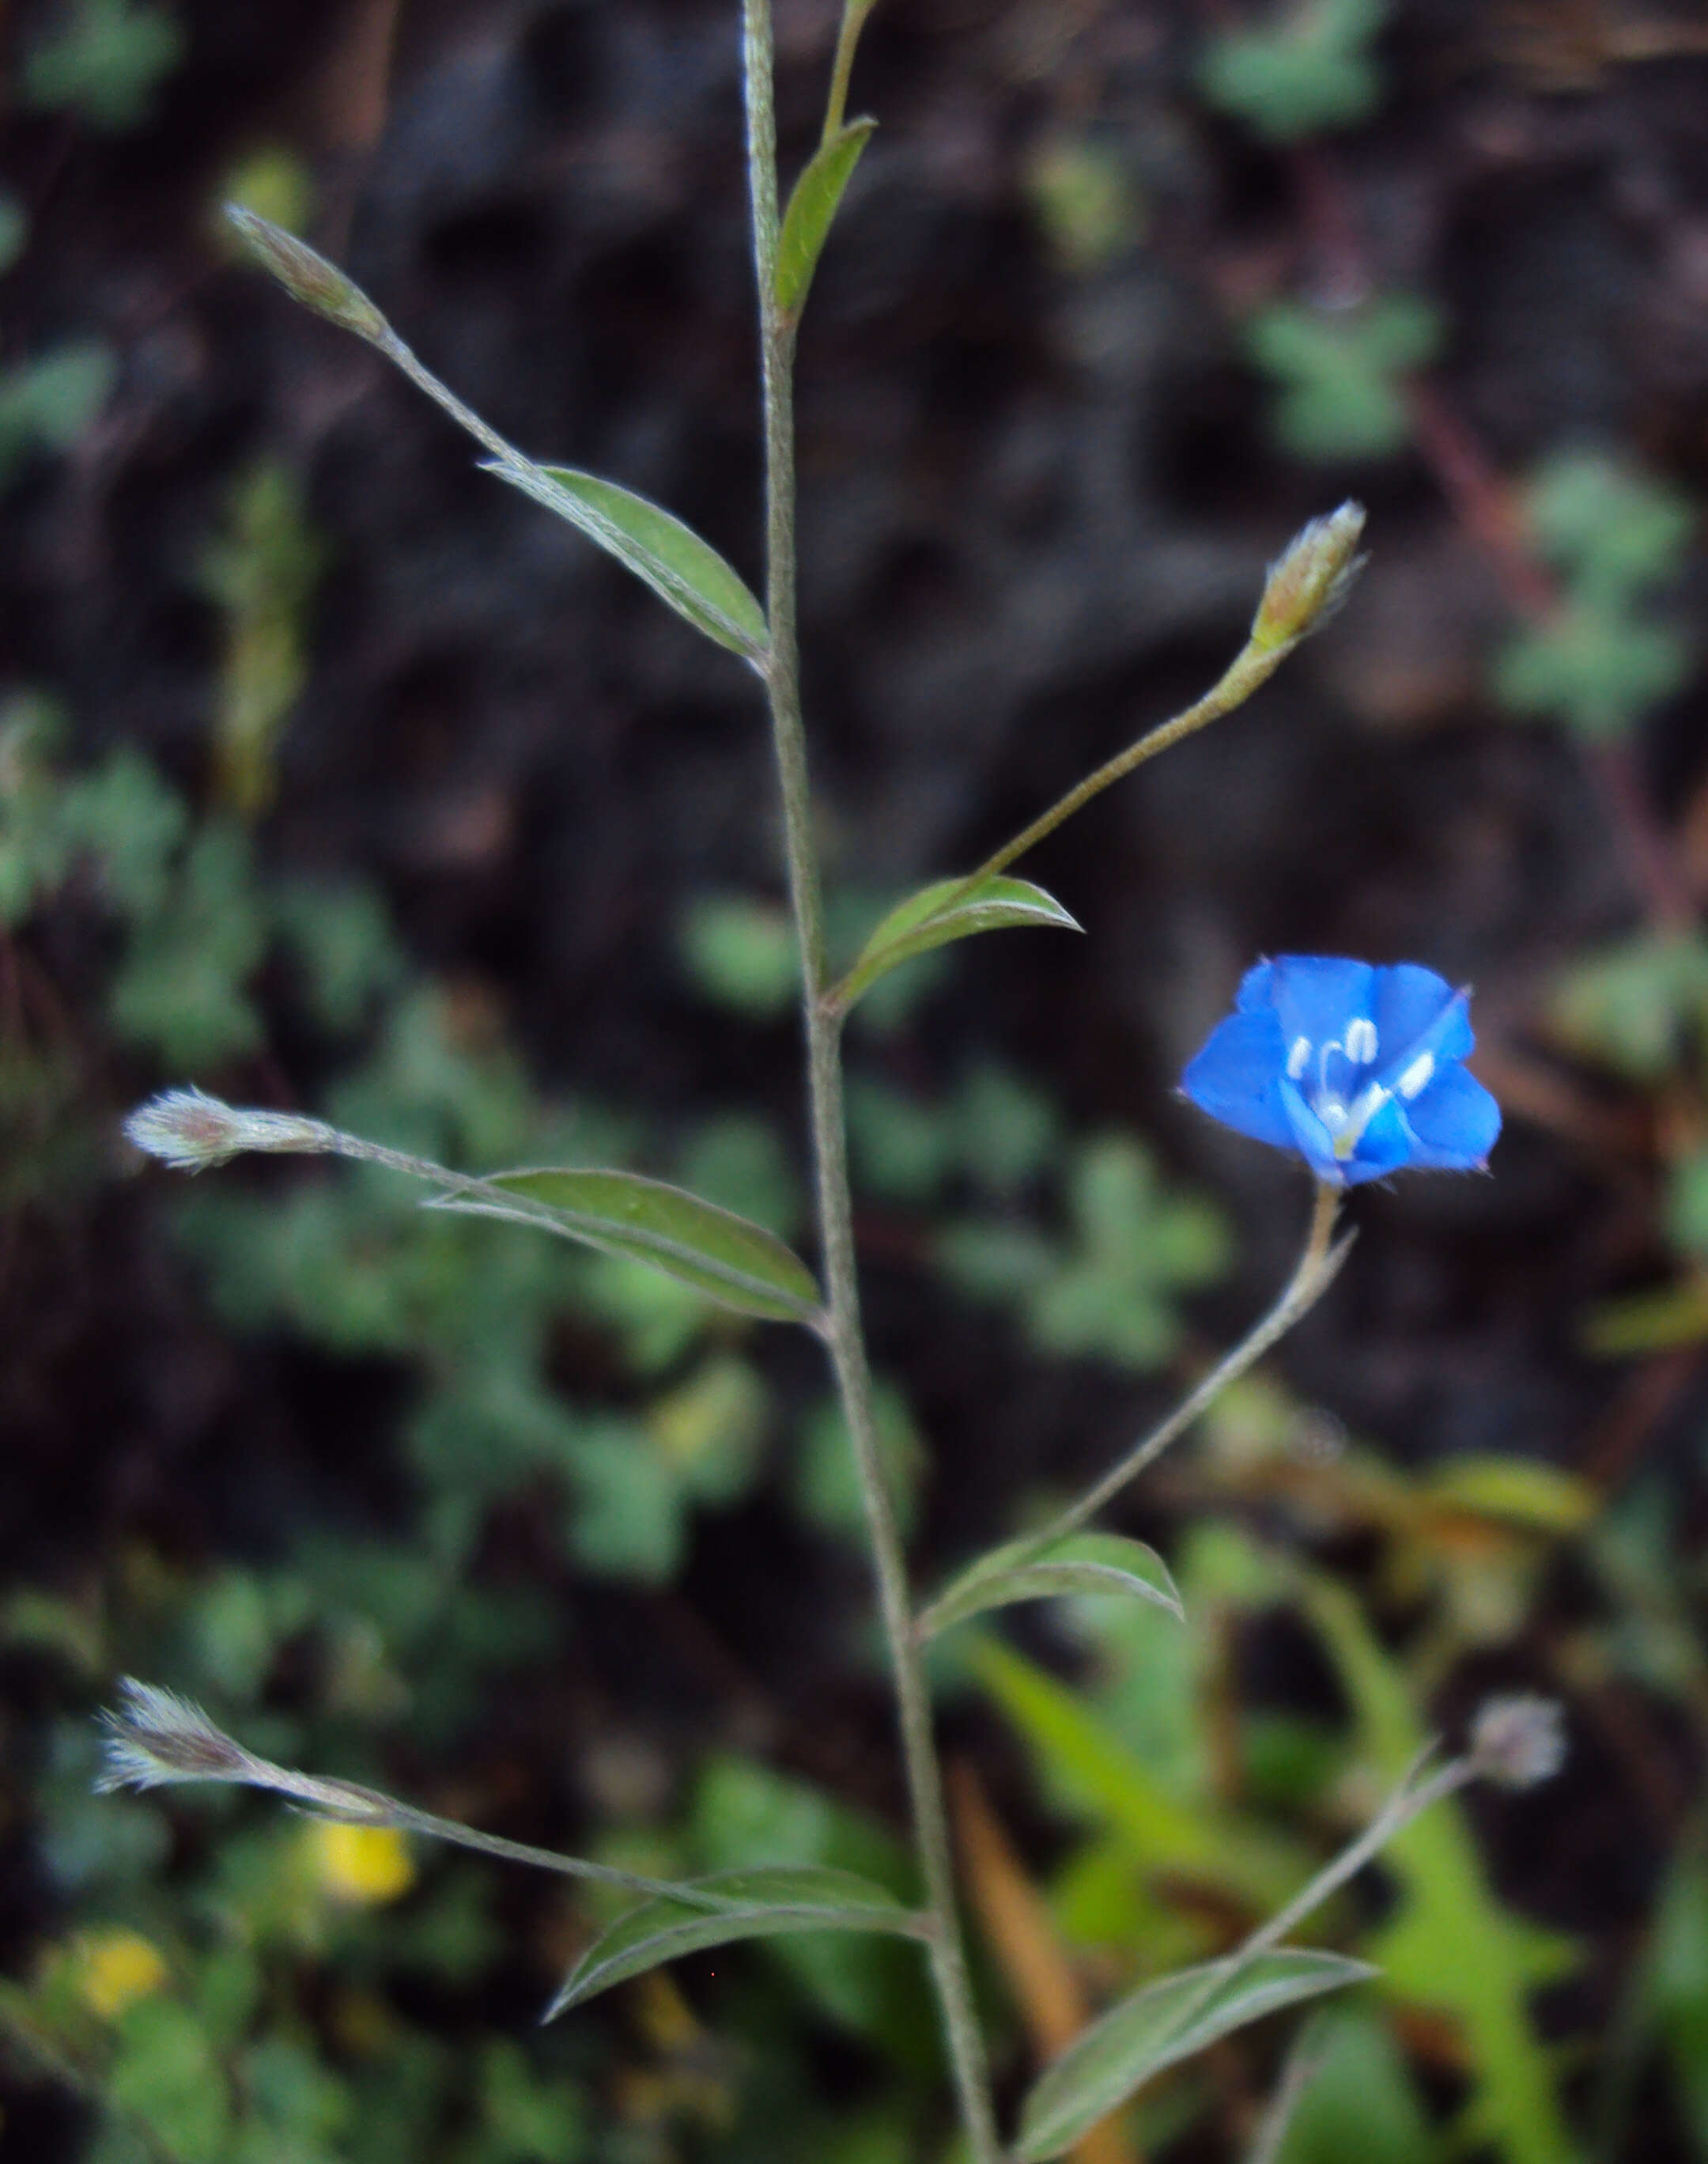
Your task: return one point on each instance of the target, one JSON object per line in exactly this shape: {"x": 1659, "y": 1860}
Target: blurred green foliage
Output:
{"x": 740, "y": 954}
{"x": 48, "y": 403}
{"x": 1603, "y": 658}
{"x": 262, "y": 574}
{"x": 1339, "y": 373}
{"x": 1639, "y": 1006}
{"x": 1309, "y": 69}
{"x": 1086, "y": 200}
{"x": 104, "y": 61}
{"x": 1360, "y": 2101}
{"x": 1111, "y": 1290}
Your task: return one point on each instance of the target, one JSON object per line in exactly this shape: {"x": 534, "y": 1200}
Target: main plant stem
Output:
{"x": 842, "y": 1326}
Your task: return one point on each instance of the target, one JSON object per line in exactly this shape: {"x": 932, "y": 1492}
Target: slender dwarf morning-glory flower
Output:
{"x": 1355, "y": 1065}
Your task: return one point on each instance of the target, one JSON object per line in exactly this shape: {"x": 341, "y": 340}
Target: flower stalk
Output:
{"x": 843, "y": 1331}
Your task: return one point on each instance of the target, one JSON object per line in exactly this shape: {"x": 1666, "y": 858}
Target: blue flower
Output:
{"x": 1354, "y": 1065}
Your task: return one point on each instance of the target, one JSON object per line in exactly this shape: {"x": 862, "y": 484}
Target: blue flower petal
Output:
{"x": 1256, "y": 992}
{"x": 1417, "y": 1012}
{"x": 1454, "y": 1123}
{"x": 1316, "y": 995}
{"x": 1385, "y": 1146}
{"x": 1236, "y": 1078}
{"x": 1408, "y": 1000}
{"x": 1307, "y": 1134}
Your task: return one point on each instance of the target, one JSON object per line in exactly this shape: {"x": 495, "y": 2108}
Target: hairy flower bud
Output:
{"x": 1311, "y": 580}
{"x": 191, "y": 1131}
{"x": 1517, "y": 1741}
{"x": 155, "y": 1738}
{"x": 307, "y": 276}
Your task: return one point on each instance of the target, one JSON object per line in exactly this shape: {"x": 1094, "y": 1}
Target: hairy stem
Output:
{"x": 843, "y": 1332}
{"x": 854, "y": 15}
{"x": 1318, "y": 1266}
{"x": 1252, "y": 666}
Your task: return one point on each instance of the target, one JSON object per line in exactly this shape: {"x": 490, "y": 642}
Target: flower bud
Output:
{"x": 155, "y": 1738}
{"x": 1517, "y": 1741}
{"x": 308, "y": 277}
{"x": 1311, "y": 580}
{"x": 191, "y": 1131}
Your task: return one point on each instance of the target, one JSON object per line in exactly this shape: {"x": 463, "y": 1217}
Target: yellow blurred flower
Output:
{"x": 114, "y": 1969}
{"x": 364, "y": 1865}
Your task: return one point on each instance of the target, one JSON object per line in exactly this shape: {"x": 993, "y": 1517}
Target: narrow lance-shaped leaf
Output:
{"x": 1083, "y": 1563}
{"x": 762, "y": 1902}
{"x": 655, "y": 546}
{"x": 711, "y": 1249}
{"x": 921, "y": 922}
{"x": 672, "y": 559}
{"x": 1165, "y": 2022}
{"x": 812, "y": 207}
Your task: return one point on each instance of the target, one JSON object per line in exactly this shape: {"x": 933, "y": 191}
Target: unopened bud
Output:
{"x": 191, "y": 1131}
{"x": 155, "y": 1738}
{"x": 1311, "y": 580}
{"x": 1517, "y": 1741}
{"x": 307, "y": 276}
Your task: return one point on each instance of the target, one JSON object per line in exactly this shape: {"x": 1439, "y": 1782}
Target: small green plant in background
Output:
{"x": 1340, "y": 374}
{"x": 1606, "y": 655}
{"x": 104, "y": 61}
{"x": 1307, "y": 68}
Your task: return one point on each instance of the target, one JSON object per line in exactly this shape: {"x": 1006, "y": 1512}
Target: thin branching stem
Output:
{"x": 843, "y": 1332}
{"x": 1318, "y": 1265}
{"x": 1250, "y": 668}
{"x": 853, "y": 22}
{"x": 1254, "y": 665}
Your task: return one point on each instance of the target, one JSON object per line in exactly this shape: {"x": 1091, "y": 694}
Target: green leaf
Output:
{"x": 623, "y": 1214}
{"x": 1165, "y": 2022}
{"x": 1361, "y": 2102}
{"x": 1523, "y": 1491}
{"x": 167, "y": 2074}
{"x": 812, "y": 207}
{"x": 744, "y": 1813}
{"x": 674, "y": 562}
{"x": 762, "y": 1904}
{"x": 1677, "y": 1987}
{"x": 921, "y": 922}
{"x": 1091, "y": 1767}
{"x": 1083, "y": 1563}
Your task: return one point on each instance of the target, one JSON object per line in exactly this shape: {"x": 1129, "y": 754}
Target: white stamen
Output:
{"x": 1332, "y": 1112}
{"x": 1299, "y": 1058}
{"x": 1361, "y": 1042}
{"x": 1417, "y": 1075}
{"x": 1357, "y": 1116}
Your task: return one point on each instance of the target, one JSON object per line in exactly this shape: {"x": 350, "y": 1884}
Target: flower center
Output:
{"x": 1335, "y": 1096}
